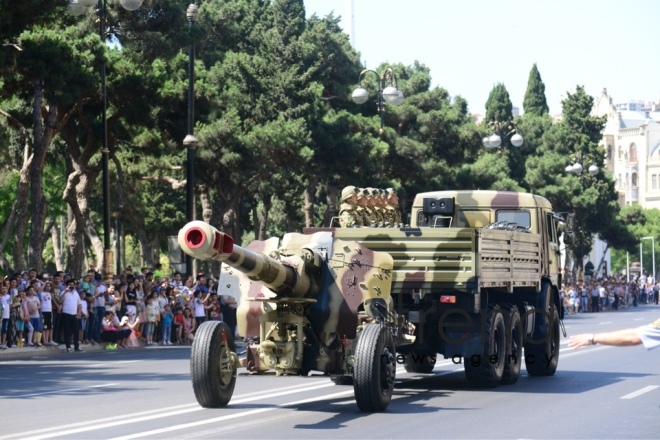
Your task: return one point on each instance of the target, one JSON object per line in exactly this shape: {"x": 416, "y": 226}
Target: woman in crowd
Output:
{"x": 110, "y": 333}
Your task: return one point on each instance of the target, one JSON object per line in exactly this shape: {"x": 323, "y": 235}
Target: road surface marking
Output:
{"x": 232, "y": 416}
{"x": 58, "y": 432}
{"x": 606, "y": 322}
{"x": 144, "y": 413}
{"x": 639, "y": 319}
{"x": 59, "y": 391}
{"x": 640, "y": 392}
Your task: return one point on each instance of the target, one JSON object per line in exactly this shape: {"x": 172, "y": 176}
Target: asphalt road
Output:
{"x": 598, "y": 392}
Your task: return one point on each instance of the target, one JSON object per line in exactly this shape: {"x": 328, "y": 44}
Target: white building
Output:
{"x": 632, "y": 141}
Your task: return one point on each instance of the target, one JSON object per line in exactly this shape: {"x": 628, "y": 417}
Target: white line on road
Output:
{"x": 640, "y": 392}
{"x": 67, "y": 390}
{"x": 606, "y": 322}
{"x": 232, "y": 416}
{"x": 639, "y": 319}
{"x": 96, "y": 426}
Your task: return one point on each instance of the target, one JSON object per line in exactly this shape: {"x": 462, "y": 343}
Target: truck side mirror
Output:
{"x": 569, "y": 232}
{"x": 570, "y": 223}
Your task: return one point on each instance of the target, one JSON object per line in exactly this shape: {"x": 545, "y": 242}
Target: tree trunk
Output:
{"x": 134, "y": 217}
{"x": 74, "y": 239}
{"x": 267, "y": 203}
{"x": 43, "y": 136}
{"x": 19, "y": 215}
{"x": 310, "y": 191}
{"x": 55, "y": 235}
{"x": 97, "y": 244}
{"x": 331, "y": 201}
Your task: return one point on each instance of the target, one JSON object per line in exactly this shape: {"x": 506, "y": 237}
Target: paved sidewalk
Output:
{"x": 26, "y": 352}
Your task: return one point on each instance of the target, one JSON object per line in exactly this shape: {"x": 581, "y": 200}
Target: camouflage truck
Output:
{"x": 475, "y": 278}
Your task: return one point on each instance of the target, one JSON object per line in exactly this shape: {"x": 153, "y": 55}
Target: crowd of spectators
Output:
{"x": 131, "y": 310}
{"x": 612, "y": 292}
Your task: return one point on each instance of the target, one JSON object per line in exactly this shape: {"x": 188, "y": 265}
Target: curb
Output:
{"x": 45, "y": 351}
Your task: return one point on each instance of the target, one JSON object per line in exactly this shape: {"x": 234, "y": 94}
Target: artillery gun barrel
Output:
{"x": 201, "y": 240}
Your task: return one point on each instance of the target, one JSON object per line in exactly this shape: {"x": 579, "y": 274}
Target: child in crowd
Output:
{"x": 166, "y": 325}
{"x": 188, "y": 326}
{"x": 84, "y": 314}
{"x": 153, "y": 316}
{"x": 178, "y": 325}
{"x": 23, "y": 316}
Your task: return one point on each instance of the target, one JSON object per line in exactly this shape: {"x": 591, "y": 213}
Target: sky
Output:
{"x": 471, "y": 45}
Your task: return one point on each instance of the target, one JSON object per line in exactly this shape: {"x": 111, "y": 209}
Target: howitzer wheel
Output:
{"x": 212, "y": 367}
{"x": 542, "y": 359}
{"x": 514, "y": 346}
{"x": 375, "y": 368}
{"x": 488, "y": 371}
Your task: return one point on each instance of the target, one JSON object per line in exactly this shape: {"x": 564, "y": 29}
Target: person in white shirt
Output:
{"x": 71, "y": 312}
{"x": 4, "y": 304}
{"x": 47, "y": 313}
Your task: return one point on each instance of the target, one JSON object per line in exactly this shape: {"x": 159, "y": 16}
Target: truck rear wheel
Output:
{"x": 541, "y": 359}
{"x": 375, "y": 368}
{"x": 514, "y": 346}
{"x": 485, "y": 369}
{"x": 211, "y": 364}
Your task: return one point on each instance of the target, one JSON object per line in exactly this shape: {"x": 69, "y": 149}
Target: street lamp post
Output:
{"x": 503, "y": 132}
{"x": 388, "y": 91}
{"x": 640, "y": 255}
{"x": 190, "y": 141}
{"x": 78, "y": 7}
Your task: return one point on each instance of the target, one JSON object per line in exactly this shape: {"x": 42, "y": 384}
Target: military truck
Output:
{"x": 474, "y": 278}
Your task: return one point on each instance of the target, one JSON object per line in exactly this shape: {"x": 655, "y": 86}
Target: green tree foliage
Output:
{"x": 498, "y": 105}
{"x": 535, "y": 103}
{"x": 593, "y": 199}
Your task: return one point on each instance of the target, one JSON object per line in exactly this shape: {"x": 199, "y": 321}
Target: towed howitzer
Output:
{"x": 305, "y": 300}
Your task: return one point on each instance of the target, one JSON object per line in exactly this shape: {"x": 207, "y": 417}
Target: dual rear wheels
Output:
{"x": 501, "y": 358}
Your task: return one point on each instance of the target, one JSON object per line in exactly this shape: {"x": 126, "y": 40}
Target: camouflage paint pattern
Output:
{"x": 308, "y": 281}
{"x": 312, "y": 285}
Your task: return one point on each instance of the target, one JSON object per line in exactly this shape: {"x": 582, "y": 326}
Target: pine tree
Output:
{"x": 498, "y": 105}
{"x": 535, "y": 102}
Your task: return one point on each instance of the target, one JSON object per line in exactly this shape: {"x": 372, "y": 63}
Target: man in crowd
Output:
{"x": 71, "y": 312}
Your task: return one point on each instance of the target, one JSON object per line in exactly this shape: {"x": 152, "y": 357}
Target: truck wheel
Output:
{"x": 211, "y": 366}
{"x": 375, "y": 368}
{"x": 487, "y": 370}
{"x": 514, "y": 346}
{"x": 419, "y": 363}
{"x": 542, "y": 359}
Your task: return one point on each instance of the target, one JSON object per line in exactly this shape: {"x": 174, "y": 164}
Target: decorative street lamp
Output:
{"x": 387, "y": 91}
{"x": 577, "y": 169}
{"x": 190, "y": 141}
{"x": 78, "y": 7}
{"x": 502, "y": 132}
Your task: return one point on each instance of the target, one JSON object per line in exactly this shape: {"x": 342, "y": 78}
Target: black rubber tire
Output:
{"x": 487, "y": 374}
{"x": 514, "y": 346}
{"x": 340, "y": 379}
{"x": 375, "y": 368}
{"x": 537, "y": 355}
{"x": 210, "y": 352}
{"x": 413, "y": 364}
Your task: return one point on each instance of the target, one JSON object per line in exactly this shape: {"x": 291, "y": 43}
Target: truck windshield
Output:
{"x": 521, "y": 217}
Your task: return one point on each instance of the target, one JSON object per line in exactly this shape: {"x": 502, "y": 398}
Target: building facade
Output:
{"x": 631, "y": 139}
